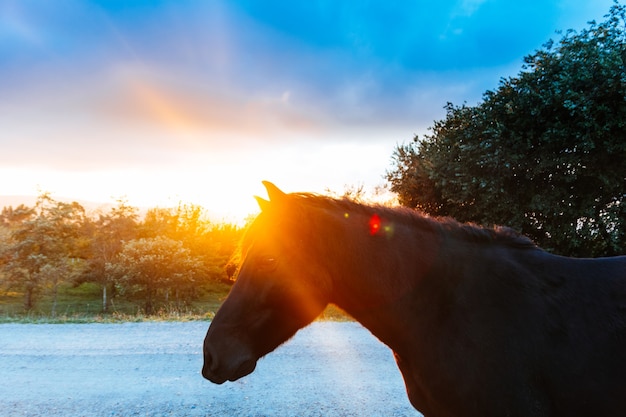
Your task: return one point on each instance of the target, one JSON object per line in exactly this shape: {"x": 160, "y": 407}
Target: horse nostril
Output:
{"x": 206, "y": 367}
{"x": 210, "y": 369}
{"x": 211, "y": 364}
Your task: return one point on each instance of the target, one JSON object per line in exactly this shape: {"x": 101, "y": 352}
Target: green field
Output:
{"x": 84, "y": 304}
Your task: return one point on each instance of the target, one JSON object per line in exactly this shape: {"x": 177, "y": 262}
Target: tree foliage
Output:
{"x": 156, "y": 268}
{"x": 107, "y": 235}
{"x": 44, "y": 245}
{"x": 168, "y": 256}
{"x": 544, "y": 153}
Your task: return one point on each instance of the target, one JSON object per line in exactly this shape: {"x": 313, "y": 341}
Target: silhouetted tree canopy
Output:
{"x": 544, "y": 153}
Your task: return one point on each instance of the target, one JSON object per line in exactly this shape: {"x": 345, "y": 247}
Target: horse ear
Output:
{"x": 263, "y": 203}
{"x": 273, "y": 191}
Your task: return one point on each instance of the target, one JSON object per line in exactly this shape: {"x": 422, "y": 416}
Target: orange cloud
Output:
{"x": 193, "y": 109}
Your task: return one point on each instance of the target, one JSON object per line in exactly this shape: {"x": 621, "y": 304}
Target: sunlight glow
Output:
{"x": 336, "y": 345}
{"x": 343, "y": 366}
{"x": 221, "y": 181}
{"x": 229, "y": 201}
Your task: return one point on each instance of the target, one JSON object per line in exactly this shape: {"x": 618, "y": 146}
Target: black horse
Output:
{"x": 481, "y": 321}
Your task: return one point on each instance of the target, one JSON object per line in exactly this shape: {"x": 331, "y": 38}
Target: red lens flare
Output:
{"x": 375, "y": 224}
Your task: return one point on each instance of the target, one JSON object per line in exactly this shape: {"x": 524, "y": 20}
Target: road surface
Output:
{"x": 153, "y": 369}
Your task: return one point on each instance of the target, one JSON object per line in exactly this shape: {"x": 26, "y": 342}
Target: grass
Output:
{"x": 83, "y": 304}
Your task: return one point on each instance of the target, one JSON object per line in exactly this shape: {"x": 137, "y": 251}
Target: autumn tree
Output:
{"x": 170, "y": 256}
{"x": 544, "y": 153}
{"x": 107, "y": 235}
{"x": 156, "y": 269}
{"x": 11, "y": 217}
{"x": 10, "y": 220}
{"x": 44, "y": 248}
{"x": 212, "y": 243}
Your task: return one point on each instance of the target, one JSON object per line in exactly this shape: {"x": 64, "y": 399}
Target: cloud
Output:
{"x": 145, "y": 97}
{"x": 114, "y": 119}
{"x": 469, "y": 7}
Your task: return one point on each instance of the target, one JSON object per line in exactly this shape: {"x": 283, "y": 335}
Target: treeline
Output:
{"x": 168, "y": 256}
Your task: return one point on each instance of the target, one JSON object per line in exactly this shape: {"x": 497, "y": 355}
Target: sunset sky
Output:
{"x": 198, "y": 101}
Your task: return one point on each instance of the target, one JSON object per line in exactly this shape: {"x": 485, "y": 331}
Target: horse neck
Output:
{"x": 373, "y": 273}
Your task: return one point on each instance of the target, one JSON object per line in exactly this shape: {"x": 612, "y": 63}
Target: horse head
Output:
{"x": 279, "y": 289}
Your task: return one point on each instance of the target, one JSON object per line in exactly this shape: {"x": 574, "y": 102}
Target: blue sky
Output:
{"x": 161, "y": 101}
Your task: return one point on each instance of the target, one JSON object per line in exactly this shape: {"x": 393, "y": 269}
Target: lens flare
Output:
{"x": 375, "y": 224}
{"x": 378, "y": 227}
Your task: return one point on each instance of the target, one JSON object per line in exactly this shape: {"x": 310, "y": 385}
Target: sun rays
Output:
{"x": 162, "y": 108}
{"x": 346, "y": 364}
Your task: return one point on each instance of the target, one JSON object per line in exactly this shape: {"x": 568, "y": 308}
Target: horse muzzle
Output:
{"x": 220, "y": 371}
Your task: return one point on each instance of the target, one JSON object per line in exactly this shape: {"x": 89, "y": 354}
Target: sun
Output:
{"x": 225, "y": 200}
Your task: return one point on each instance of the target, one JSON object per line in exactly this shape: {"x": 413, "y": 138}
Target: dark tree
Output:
{"x": 545, "y": 153}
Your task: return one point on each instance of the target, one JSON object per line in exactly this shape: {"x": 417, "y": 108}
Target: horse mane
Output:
{"x": 469, "y": 232}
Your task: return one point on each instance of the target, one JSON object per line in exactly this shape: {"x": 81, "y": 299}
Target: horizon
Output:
{"x": 94, "y": 208}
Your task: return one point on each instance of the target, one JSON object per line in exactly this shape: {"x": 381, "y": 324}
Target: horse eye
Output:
{"x": 268, "y": 262}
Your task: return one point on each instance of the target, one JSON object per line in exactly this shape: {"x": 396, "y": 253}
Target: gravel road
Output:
{"x": 153, "y": 369}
